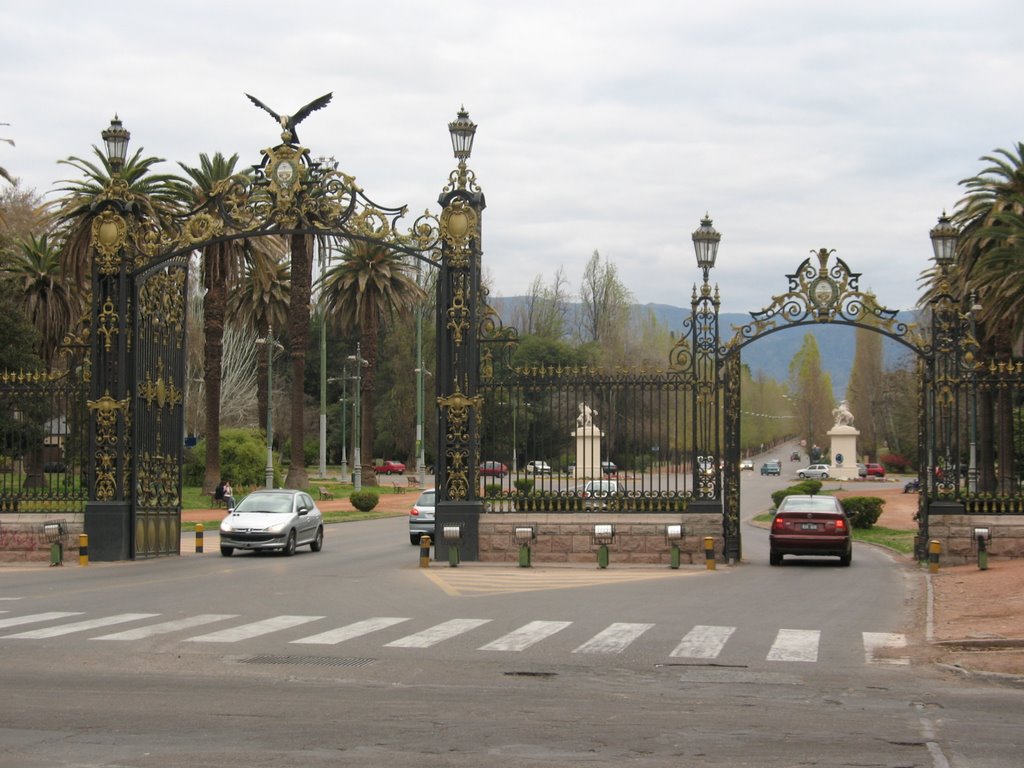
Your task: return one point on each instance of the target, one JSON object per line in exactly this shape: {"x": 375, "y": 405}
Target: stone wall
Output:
{"x": 22, "y": 539}
{"x": 955, "y": 534}
{"x": 567, "y": 537}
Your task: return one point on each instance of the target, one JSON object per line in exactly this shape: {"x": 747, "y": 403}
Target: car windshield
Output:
{"x": 426, "y": 499}
{"x": 273, "y": 504}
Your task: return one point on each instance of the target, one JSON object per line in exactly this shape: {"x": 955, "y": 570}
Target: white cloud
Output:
{"x": 607, "y": 126}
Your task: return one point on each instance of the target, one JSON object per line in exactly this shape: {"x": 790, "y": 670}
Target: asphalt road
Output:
{"x": 356, "y": 656}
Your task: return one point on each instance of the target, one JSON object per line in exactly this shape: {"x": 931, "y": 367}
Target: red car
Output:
{"x": 390, "y": 468}
{"x": 492, "y": 469}
{"x": 810, "y": 525}
{"x": 875, "y": 470}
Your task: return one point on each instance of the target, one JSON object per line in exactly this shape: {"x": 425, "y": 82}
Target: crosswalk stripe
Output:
{"x": 80, "y": 626}
{"x": 255, "y": 629}
{"x": 875, "y": 642}
{"x": 165, "y": 627}
{"x": 15, "y": 621}
{"x": 613, "y": 639}
{"x": 703, "y": 642}
{"x": 358, "y": 629}
{"x": 439, "y": 632}
{"x": 795, "y": 645}
{"x": 525, "y": 636}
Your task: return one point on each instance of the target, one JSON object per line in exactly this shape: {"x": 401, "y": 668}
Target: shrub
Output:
{"x": 894, "y": 462}
{"x": 243, "y": 459}
{"x": 364, "y": 501}
{"x": 803, "y": 488}
{"x": 524, "y": 485}
{"x": 492, "y": 490}
{"x": 863, "y": 511}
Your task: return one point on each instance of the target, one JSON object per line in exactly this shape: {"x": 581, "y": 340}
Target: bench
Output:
{"x": 326, "y": 495}
{"x": 215, "y": 502}
{"x": 412, "y": 482}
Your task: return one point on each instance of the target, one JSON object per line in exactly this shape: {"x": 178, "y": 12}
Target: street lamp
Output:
{"x": 705, "y": 243}
{"x": 944, "y": 238}
{"x": 344, "y": 423}
{"x": 272, "y": 345}
{"x": 357, "y": 417}
{"x": 420, "y": 373}
{"x": 115, "y": 140}
{"x": 972, "y": 465}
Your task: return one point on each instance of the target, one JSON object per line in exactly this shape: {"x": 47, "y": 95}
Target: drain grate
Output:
{"x": 314, "y": 661}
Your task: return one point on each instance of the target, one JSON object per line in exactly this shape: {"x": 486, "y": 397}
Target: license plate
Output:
{"x": 809, "y": 526}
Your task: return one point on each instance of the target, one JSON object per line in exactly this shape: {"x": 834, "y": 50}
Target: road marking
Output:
{"x": 255, "y": 629}
{"x": 795, "y": 645}
{"x": 358, "y": 629}
{"x": 18, "y": 620}
{"x": 81, "y": 626}
{"x": 469, "y": 582}
{"x": 614, "y": 639}
{"x": 165, "y": 627}
{"x": 703, "y": 642}
{"x": 436, "y": 634}
{"x": 525, "y": 636}
{"x": 877, "y": 642}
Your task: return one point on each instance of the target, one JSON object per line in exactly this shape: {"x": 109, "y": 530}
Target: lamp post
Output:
{"x": 946, "y": 364}
{"x": 420, "y": 452}
{"x": 704, "y": 329}
{"x": 357, "y": 418}
{"x": 972, "y": 466}
{"x": 343, "y": 401}
{"x": 272, "y": 346}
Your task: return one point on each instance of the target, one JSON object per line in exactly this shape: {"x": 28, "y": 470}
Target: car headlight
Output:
{"x": 279, "y": 528}
{"x": 225, "y": 527}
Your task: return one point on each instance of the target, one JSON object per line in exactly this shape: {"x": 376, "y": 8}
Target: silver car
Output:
{"x": 421, "y": 516}
{"x": 273, "y": 519}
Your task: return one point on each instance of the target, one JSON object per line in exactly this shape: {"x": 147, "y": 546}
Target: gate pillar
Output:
{"x": 458, "y": 320}
{"x": 108, "y": 511}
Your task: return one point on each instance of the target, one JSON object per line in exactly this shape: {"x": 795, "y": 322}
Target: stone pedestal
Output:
{"x": 588, "y": 452}
{"x": 844, "y": 452}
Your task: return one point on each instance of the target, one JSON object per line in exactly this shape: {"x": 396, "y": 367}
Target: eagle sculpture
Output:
{"x": 288, "y": 122}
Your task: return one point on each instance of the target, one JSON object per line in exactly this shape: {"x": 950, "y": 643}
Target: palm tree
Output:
{"x": 149, "y": 195}
{"x": 261, "y": 301}
{"x": 370, "y": 284}
{"x": 51, "y": 303}
{"x": 222, "y": 265}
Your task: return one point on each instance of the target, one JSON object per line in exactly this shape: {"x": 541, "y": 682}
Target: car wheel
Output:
{"x": 414, "y": 538}
{"x": 774, "y": 558}
{"x": 845, "y": 560}
{"x": 289, "y": 546}
{"x": 318, "y": 542}
{"x": 227, "y": 551}
{"x": 801, "y": 475}
{"x": 824, "y": 475}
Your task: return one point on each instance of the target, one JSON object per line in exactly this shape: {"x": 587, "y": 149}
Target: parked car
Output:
{"x": 747, "y": 464}
{"x": 771, "y": 468}
{"x": 810, "y": 525}
{"x": 816, "y": 471}
{"x": 273, "y": 519}
{"x": 492, "y": 469}
{"x": 390, "y": 468}
{"x": 794, "y": 456}
{"x": 595, "y": 493}
{"x": 609, "y": 468}
{"x": 421, "y": 516}
{"x": 875, "y": 470}
{"x": 538, "y": 468}
{"x": 862, "y": 471}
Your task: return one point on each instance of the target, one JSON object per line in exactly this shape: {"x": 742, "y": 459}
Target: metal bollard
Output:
{"x": 934, "y": 550}
{"x": 981, "y": 536}
{"x": 674, "y": 533}
{"x": 199, "y": 538}
{"x": 603, "y": 534}
{"x": 524, "y": 535}
{"x": 424, "y": 551}
{"x": 83, "y": 549}
{"x": 709, "y": 552}
{"x": 453, "y": 537}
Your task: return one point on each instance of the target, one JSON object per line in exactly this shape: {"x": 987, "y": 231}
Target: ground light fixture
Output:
{"x": 674, "y": 534}
{"x": 603, "y": 535}
{"x": 524, "y": 535}
{"x": 981, "y": 537}
{"x": 452, "y": 537}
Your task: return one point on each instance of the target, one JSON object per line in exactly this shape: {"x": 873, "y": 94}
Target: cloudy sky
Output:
{"x": 608, "y": 126}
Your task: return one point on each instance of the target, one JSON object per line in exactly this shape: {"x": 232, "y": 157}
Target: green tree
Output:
{"x": 604, "y": 309}
{"x": 370, "y": 285}
{"x": 864, "y": 390}
{"x": 811, "y": 394}
{"x": 51, "y": 304}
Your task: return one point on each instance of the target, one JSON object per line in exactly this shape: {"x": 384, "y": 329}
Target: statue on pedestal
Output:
{"x": 586, "y": 417}
{"x": 843, "y": 415}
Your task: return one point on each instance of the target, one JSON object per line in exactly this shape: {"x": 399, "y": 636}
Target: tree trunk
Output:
{"x": 298, "y": 335}
{"x": 214, "y": 304}
{"x": 369, "y": 388}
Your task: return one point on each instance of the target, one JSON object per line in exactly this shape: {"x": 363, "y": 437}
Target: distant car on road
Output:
{"x": 794, "y": 456}
{"x": 390, "y": 468}
{"x": 747, "y": 464}
{"x": 595, "y": 493}
{"x": 493, "y": 469}
{"x": 609, "y": 468}
{"x": 538, "y": 468}
{"x": 771, "y": 468}
{"x": 810, "y": 525}
{"x": 875, "y": 470}
{"x": 815, "y": 471}
{"x": 421, "y": 516}
{"x": 862, "y": 471}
